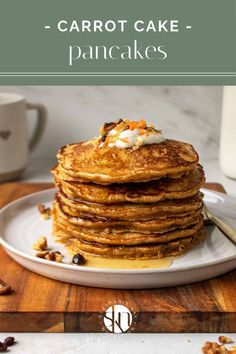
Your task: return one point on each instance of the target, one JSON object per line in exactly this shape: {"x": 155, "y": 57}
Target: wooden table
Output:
{"x": 44, "y": 305}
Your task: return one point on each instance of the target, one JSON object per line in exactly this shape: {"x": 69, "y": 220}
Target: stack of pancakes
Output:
{"x": 132, "y": 203}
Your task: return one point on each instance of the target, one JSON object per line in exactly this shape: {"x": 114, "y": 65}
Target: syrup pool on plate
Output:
{"x": 121, "y": 263}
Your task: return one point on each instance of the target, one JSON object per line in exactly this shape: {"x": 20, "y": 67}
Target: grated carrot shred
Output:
{"x": 140, "y": 124}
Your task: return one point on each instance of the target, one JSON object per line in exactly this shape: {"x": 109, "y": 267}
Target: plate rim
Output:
{"x": 66, "y": 266}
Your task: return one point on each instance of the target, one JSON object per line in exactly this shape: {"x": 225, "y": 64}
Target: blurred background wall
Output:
{"x": 188, "y": 113}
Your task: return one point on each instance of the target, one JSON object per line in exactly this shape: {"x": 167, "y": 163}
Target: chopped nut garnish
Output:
{"x": 3, "y": 347}
{"x": 4, "y": 288}
{"x": 44, "y": 212}
{"x": 54, "y": 256}
{"x": 78, "y": 259}
{"x": 41, "y": 244}
{"x": 225, "y": 340}
{"x": 213, "y": 348}
{"x": 42, "y": 254}
{"x": 9, "y": 341}
{"x": 107, "y": 127}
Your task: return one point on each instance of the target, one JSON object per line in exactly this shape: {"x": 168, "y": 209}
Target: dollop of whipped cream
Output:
{"x": 125, "y": 134}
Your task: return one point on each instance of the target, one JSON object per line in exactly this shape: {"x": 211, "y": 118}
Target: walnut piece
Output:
{"x": 225, "y": 340}
{"x": 215, "y": 348}
{"x": 4, "y": 288}
{"x": 42, "y": 254}
{"x": 41, "y": 244}
{"x": 54, "y": 256}
{"x": 44, "y": 212}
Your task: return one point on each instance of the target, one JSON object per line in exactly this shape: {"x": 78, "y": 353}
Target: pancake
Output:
{"x": 131, "y": 211}
{"x": 88, "y": 162}
{"x": 120, "y": 226}
{"x": 150, "y": 192}
{"x": 129, "y": 193}
{"x": 129, "y": 238}
{"x": 145, "y": 251}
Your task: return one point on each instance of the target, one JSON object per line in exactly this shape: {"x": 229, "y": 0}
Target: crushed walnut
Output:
{"x": 215, "y": 348}
{"x": 225, "y": 340}
{"x": 54, "y": 256}
{"x": 41, "y": 244}
{"x": 42, "y": 254}
{"x": 4, "y": 288}
{"x": 44, "y": 212}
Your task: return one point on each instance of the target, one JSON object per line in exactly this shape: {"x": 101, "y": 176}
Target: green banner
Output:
{"x": 123, "y": 42}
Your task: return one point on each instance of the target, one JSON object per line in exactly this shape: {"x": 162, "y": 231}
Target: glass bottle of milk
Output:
{"x": 228, "y": 132}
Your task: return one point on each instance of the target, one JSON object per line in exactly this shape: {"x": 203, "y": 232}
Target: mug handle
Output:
{"x": 40, "y": 125}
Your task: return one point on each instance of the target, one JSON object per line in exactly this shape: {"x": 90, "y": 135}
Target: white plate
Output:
{"x": 20, "y": 226}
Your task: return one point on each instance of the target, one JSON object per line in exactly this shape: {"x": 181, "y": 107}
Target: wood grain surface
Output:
{"x": 43, "y": 305}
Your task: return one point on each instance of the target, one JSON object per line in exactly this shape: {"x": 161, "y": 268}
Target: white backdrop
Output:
{"x": 189, "y": 113}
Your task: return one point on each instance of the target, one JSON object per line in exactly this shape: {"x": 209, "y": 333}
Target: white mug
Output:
{"x": 14, "y": 142}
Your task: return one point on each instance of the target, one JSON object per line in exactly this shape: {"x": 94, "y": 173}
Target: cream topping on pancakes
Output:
{"x": 127, "y": 134}
{"x": 130, "y": 138}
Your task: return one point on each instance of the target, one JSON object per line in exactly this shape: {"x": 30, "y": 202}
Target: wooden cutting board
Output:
{"x": 38, "y": 304}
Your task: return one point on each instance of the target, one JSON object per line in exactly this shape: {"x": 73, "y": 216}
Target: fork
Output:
{"x": 222, "y": 226}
